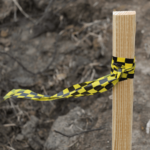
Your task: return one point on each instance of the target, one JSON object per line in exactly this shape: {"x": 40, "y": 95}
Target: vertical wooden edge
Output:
{"x": 114, "y": 35}
{"x": 124, "y": 29}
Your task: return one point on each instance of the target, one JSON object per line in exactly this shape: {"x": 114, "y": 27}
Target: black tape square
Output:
{"x": 122, "y": 79}
{"x": 98, "y": 88}
{"x": 76, "y": 93}
{"x": 71, "y": 89}
{"x": 88, "y": 87}
{"x": 29, "y": 97}
{"x": 24, "y": 94}
{"x": 32, "y": 93}
{"x": 127, "y": 60}
{"x": 109, "y": 86}
{"x": 83, "y": 84}
{"x": 103, "y": 81}
{"x": 86, "y": 93}
{"x": 60, "y": 93}
{"x": 131, "y": 76}
{"x": 39, "y": 96}
{"x": 115, "y": 59}
{"x": 15, "y": 96}
{"x": 119, "y": 64}
{"x": 46, "y": 96}
{"x": 20, "y": 92}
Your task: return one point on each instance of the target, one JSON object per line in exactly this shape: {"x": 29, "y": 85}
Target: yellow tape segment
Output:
{"x": 121, "y": 69}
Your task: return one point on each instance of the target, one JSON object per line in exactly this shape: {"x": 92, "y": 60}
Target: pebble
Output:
{"x": 48, "y": 34}
{"x": 29, "y": 128}
{"x": 110, "y": 97}
{"x": 4, "y": 33}
{"x": 36, "y": 143}
{"x": 19, "y": 137}
{"x": 6, "y": 49}
{"x": 142, "y": 31}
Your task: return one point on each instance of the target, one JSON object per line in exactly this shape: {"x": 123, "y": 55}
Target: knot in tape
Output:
{"x": 121, "y": 69}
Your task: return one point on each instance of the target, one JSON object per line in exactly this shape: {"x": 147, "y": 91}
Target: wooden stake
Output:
{"x": 124, "y": 28}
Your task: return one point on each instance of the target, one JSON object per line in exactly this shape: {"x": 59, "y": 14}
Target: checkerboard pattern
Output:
{"x": 121, "y": 69}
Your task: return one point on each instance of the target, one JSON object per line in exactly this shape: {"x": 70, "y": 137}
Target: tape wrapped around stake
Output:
{"x": 121, "y": 69}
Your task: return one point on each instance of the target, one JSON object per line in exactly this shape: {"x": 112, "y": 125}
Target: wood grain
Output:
{"x": 124, "y": 27}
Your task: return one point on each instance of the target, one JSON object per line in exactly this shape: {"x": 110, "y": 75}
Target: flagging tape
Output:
{"x": 121, "y": 69}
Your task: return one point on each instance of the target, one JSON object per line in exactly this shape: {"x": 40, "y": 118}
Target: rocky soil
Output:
{"x": 47, "y": 45}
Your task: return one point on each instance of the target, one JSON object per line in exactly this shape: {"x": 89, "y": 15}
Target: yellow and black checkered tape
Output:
{"x": 121, "y": 69}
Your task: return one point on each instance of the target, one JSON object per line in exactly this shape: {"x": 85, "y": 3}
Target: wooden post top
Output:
{"x": 124, "y": 13}
{"x": 124, "y": 29}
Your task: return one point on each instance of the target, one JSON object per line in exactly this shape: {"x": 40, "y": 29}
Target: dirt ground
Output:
{"x": 48, "y": 45}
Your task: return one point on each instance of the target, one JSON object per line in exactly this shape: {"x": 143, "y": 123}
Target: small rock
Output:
{"x": 31, "y": 51}
{"x": 31, "y": 31}
{"x": 73, "y": 122}
{"x": 142, "y": 128}
{"x": 24, "y": 81}
{"x": 142, "y": 31}
{"x": 25, "y": 35}
{"x": 19, "y": 137}
{"x": 110, "y": 97}
{"x": 138, "y": 108}
{"x": 5, "y": 42}
{"x": 32, "y": 112}
{"x": 6, "y": 49}
{"x": 48, "y": 34}
{"x": 139, "y": 37}
{"x": 61, "y": 76}
{"x": 41, "y": 133}
{"x": 36, "y": 143}
{"x": 4, "y": 33}
{"x": 95, "y": 4}
{"x": 29, "y": 128}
